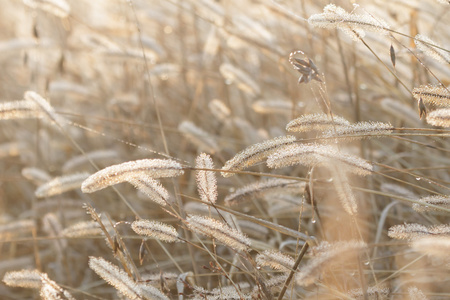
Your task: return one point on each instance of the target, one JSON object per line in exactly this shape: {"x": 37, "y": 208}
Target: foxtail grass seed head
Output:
{"x": 50, "y": 290}
{"x": 264, "y": 188}
{"x": 435, "y": 246}
{"x": 433, "y": 95}
{"x": 30, "y": 279}
{"x": 114, "y": 276}
{"x": 317, "y": 154}
{"x": 226, "y": 292}
{"x": 150, "y": 187}
{"x": 325, "y": 256}
{"x": 255, "y": 154}
{"x": 219, "y": 109}
{"x": 438, "y": 200}
{"x": 59, "y": 185}
{"x": 439, "y": 117}
{"x": 431, "y": 49}
{"x": 53, "y": 228}
{"x": 372, "y": 292}
{"x": 360, "y": 130}
{"x": 219, "y": 231}
{"x": 58, "y": 8}
{"x": 24, "y": 109}
{"x": 45, "y": 107}
{"x": 271, "y": 107}
{"x": 35, "y": 175}
{"x": 315, "y": 122}
{"x": 79, "y": 161}
{"x": 202, "y": 139}
{"x": 82, "y": 229}
{"x": 155, "y": 168}
{"x": 294, "y": 154}
{"x": 239, "y": 77}
{"x": 155, "y": 229}
{"x": 275, "y": 260}
{"x": 15, "y": 228}
{"x": 206, "y": 180}
{"x": 344, "y": 190}
{"x": 120, "y": 280}
{"x": 416, "y": 294}
{"x": 351, "y": 24}
{"x": 412, "y": 232}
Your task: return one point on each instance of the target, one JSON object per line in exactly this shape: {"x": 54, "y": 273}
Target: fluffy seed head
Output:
{"x": 431, "y": 48}
{"x": 437, "y": 246}
{"x": 19, "y": 110}
{"x": 26, "y": 279}
{"x": 317, "y": 154}
{"x": 360, "y": 130}
{"x": 414, "y": 231}
{"x": 275, "y": 260}
{"x": 325, "y": 256}
{"x": 255, "y": 153}
{"x": 155, "y": 168}
{"x": 59, "y": 185}
{"x": 220, "y": 231}
{"x": 315, "y": 122}
{"x": 432, "y": 95}
{"x": 352, "y": 24}
{"x": 199, "y": 137}
{"x": 156, "y": 230}
{"x": 206, "y": 180}
{"x": 439, "y": 117}
{"x": 152, "y": 188}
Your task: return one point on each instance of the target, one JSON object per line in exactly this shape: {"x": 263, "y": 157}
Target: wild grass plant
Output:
{"x": 225, "y": 149}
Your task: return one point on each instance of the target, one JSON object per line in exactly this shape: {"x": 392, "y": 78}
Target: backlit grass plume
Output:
{"x": 352, "y": 24}
{"x": 120, "y": 280}
{"x": 219, "y": 231}
{"x": 316, "y": 154}
{"x": 430, "y": 48}
{"x": 255, "y": 153}
{"x": 156, "y": 230}
{"x": 206, "y": 180}
{"x": 439, "y": 117}
{"x": 360, "y": 130}
{"x": 315, "y": 122}
{"x": 328, "y": 255}
{"x": 413, "y": 231}
{"x": 154, "y": 168}
{"x": 432, "y": 95}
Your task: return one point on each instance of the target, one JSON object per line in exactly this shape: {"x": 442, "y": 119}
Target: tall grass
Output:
{"x": 144, "y": 149}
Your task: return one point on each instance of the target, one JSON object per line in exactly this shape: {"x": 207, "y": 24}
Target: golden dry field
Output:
{"x": 224, "y": 149}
